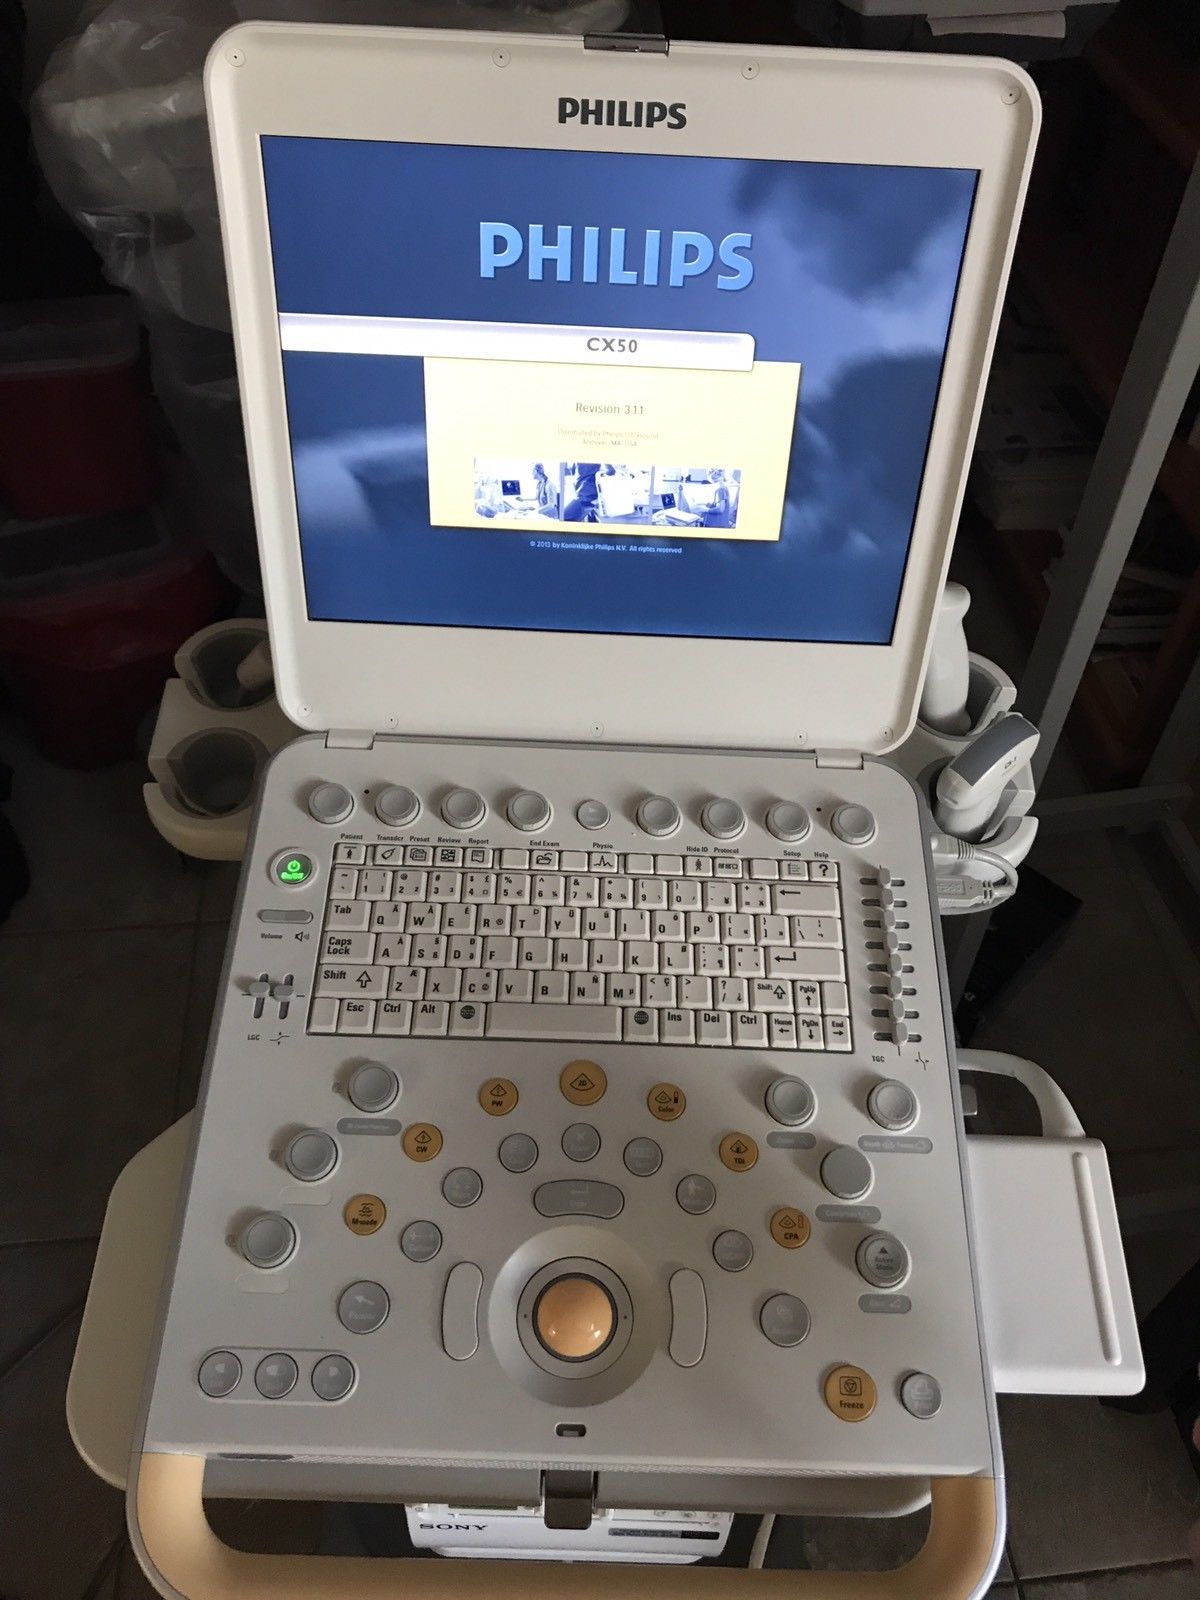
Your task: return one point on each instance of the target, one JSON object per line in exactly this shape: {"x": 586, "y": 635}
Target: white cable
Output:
{"x": 957, "y": 892}
{"x": 758, "y": 1550}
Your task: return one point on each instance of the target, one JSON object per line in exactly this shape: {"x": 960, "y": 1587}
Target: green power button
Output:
{"x": 293, "y": 868}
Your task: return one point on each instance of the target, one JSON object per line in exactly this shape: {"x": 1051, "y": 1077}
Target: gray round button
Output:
{"x": 592, "y": 814}
{"x": 461, "y": 1187}
{"x": 421, "y": 1241}
{"x": 529, "y": 811}
{"x": 732, "y": 1251}
{"x": 724, "y": 819}
{"x": 396, "y": 806}
{"x": 275, "y": 1376}
{"x": 658, "y": 816}
{"x": 790, "y": 1101}
{"x": 580, "y": 1142}
{"x": 643, "y": 1157}
{"x": 921, "y": 1395}
{"x": 846, "y": 1172}
{"x": 853, "y": 824}
{"x": 463, "y": 808}
{"x": 882, "y": 1260}
{"x": 363, "y": 1307}
{"x": 333, "y": 1378}
{"x": 330, "y": 803}
{"x": 892, "y": 1105}
{"x": 785, "y": 1320}
{"x": 788, "y": 821}
{"x": 373, "y": 1086}
{"x": 220, "y": 1374}
{"x": 696, "y": 1194}
{"x": 311, "y": 1156}
{"x": 268, "y": 1241}
{"x": 518, "y": 1152}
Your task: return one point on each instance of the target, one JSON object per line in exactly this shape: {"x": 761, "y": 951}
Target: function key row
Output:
{"x": 638, "y": 864}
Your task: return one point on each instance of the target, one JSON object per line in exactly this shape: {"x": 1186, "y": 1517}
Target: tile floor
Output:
{"x": 107, "y": 974}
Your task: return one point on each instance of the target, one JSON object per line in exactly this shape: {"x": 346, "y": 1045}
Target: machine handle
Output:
{"x": 1059, "y": 1119}
{"x": 167, "y": 1521}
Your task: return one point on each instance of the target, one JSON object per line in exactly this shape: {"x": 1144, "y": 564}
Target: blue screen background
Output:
{"x": 856, "y": 270}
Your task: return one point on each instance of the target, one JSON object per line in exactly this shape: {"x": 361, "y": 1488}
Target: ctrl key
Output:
{"x": 219, "y": 1374}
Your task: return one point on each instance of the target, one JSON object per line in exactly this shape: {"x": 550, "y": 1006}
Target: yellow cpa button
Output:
{"x": 364, "y": 1214}
{"x": 850, "y": 1393}
{"x": 790, "y": 1227}
{"x": 498, "y": 1096}
{"x": 421, "y": 1141}
{"x": 583, "y": 1082}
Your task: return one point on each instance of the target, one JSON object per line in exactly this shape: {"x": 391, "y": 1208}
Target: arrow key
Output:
{"x": 361, "y": 983}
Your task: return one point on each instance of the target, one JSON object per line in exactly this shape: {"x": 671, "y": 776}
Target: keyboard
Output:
{"x": 583, "y": 946}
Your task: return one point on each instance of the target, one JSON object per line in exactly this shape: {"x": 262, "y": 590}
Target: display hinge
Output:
{"x": 349, "y": 739}
{"x": 839, "y": 758}
{"x": 568, "y": 1498}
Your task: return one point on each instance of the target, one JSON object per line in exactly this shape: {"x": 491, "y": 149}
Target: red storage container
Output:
{"x": 92, "y": 611}
{"x": 74, "y": 415}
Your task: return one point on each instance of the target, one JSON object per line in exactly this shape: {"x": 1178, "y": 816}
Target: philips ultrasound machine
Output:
{"x": 581, "y": 1127}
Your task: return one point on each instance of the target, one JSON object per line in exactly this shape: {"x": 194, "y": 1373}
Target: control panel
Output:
{"x": 579, "y": 1108}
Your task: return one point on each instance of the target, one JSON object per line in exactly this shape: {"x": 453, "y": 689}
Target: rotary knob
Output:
{"x": 853, "y": 824}
{"x": 396, "y": 806}
{"x": 330, "y": 803}
{"x": 790, "y": 1101}
{"x": 788, "y": 821}
{"x": 311, "y": 1155}
{"x": 529, "y": 811}
{"x": 268, "y": 1241}
{"x": 724, "y": 819}
{"x": 658, "y": 816}
{"x": 463, "y": 808}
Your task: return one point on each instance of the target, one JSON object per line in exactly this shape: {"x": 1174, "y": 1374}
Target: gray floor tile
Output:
{"x": 94, "y": 1025}
{"x": 1177, "y": 1582}
{"x": 39, "y": 1285}
{"x": 218, "y": 889}
{"x": 1091, "y": 1489}
{"x": 95, "y": 860}
{"x": 206, "y": 973}
{"x": 1158, "y": 1200}
{"x": 1107, "y": 1019}
{"x": 59, "y": 1520}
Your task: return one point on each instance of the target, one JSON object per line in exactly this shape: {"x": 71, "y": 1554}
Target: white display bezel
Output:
{"x": 502, "y": 90}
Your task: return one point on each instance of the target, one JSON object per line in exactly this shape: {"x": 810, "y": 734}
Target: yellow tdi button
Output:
{"x": 667, "y": 1101}
{"x": 850, "y": 1393}
{"x": 574, "y": 1317}
{"x": 790, "y": 1228}
{"x": 738, "y": 1151}
{"x": 498, "y": 1096}
{"x": 583, "y": 1082}
{"x": 364, "y": 1214}
{"x": 422, "y": 1141}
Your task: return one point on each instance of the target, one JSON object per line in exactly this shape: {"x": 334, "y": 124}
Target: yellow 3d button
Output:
{"x": 790, "y": 1228}
{"x": 850, "y": 1393}
{"x": 583, "y": 1082}
{"x": 738, "y": 1151}
{"x": 364, "y": 1214}
{"x": 666, "y": 1101}
{"x": 422, "y": 1141}
{"x": 498, "y": 1096}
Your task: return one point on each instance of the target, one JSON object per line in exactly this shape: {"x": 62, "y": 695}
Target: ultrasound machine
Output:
{"x": 581, "y": 1132}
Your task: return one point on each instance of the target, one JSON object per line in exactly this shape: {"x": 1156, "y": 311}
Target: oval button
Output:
{"x": 689, "y": 1318}
{"x": 578, "y": 1197}
{"x": 460, "y": 1311}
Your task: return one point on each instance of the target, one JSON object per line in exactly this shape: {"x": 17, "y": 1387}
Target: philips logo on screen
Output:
{"x": 622, "y": 113}
{"x": 614, "y": 255}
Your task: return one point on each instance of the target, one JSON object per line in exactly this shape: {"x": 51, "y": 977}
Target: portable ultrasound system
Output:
{"x": 580, "y": 1127}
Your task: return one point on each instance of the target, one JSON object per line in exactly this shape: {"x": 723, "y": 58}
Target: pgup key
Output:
{"x": 362, "y": 983}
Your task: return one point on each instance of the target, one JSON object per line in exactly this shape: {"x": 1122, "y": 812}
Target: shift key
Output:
{"x": 364, "y": 983}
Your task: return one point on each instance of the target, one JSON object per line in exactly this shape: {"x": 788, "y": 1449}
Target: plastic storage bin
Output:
{"x": 92, "y": 611}
{"x": 73, "y": 399}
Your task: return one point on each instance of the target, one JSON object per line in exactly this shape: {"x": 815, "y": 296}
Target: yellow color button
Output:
{"x": 583, "y": 1082}
{"x": 364, "y": 1214}
{"x": 498, "y": 1096}
{"x": 738, "y": 1152}
{"x": 850, "y": 1393}
{"x": 422, "y": 1141}
{"x": 667, "y": 1101}
{"x": 790, "y": 1228}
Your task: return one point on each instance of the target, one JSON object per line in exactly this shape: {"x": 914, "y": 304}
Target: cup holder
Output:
{"x": 214, "y": 663}
{"x": 216, "y": 772}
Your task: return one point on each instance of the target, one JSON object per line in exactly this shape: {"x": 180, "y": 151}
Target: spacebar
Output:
{"x": 554, "y": 1022}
